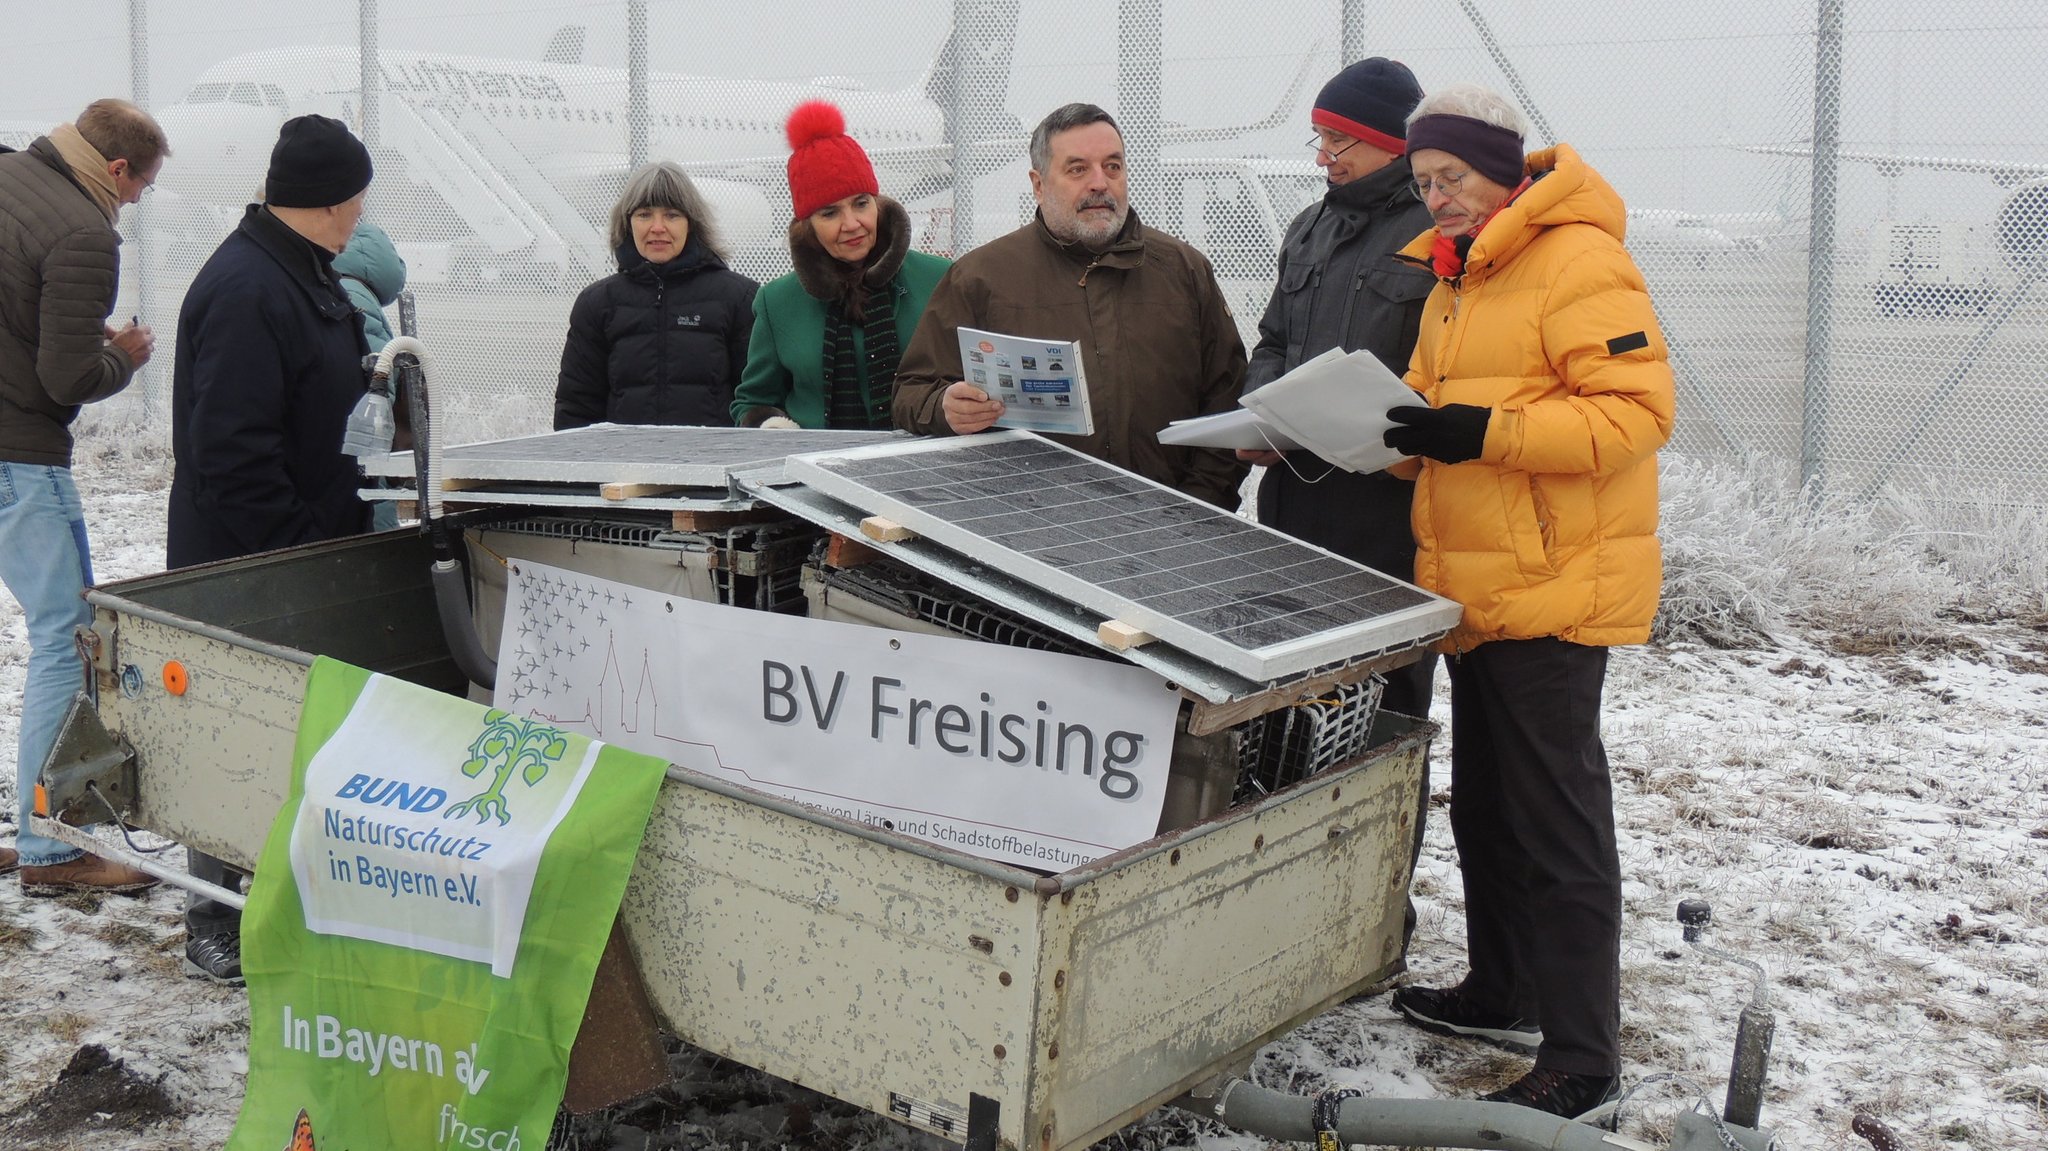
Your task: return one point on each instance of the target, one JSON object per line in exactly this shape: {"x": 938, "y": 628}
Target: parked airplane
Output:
{"x": 528, "y": 155}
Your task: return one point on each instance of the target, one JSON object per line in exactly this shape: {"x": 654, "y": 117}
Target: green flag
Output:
{"x": 427, "y": 917}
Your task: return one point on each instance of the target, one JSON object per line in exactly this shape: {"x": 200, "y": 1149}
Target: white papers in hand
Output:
{"x": 1237, "y": 428}
{"x": 1335, "y": 405}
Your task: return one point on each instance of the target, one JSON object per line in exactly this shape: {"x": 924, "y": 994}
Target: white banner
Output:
{"x": 410, "y": 833}
{"x": 1029, "y": 757}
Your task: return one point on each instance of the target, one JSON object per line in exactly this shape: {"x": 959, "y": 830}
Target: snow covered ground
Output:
{"x": 1870, "y": 821}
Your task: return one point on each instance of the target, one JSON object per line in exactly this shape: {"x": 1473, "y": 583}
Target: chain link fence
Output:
{"x": 1841, "y": 205}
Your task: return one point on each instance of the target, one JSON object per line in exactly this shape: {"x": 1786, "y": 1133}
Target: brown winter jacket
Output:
{"x": 1552, "y": 531}
{"x": 1158, "y": 343}
{"x": 59, "y": 265}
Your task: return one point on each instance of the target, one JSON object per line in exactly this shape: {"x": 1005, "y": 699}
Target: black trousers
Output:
{"x": 205, "y": 916}
{"x": 1532, "y": 809}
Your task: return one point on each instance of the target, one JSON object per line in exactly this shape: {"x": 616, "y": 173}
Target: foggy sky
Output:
{"x": 1658, "y": 96}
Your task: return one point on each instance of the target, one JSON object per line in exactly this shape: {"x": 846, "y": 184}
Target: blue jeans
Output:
{"x": 45, "y": 562}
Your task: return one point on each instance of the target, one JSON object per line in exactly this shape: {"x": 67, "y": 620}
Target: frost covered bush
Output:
{"x": 129, "y": 434}
{"x": 1995, "y": 545}
{"x": 1746, "y": 553}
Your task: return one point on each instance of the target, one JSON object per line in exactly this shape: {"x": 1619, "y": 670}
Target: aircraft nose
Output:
{"x": 219, "y": 152}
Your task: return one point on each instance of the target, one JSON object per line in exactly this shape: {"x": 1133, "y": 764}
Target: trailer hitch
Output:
{"x": 87, "y": 759}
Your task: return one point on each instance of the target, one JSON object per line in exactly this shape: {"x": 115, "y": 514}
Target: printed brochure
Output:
{"x": 1039, "y": 381}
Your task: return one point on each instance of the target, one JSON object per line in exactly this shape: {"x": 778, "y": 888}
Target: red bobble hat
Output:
{"x": 825, "y": 164}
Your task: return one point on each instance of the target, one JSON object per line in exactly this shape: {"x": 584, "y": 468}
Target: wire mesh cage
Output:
{"x": 758, "y": 566}
{"x": 1281, "y": 748}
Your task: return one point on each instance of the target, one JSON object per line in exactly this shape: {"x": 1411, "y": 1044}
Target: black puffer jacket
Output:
{"x": 657, "y": 343}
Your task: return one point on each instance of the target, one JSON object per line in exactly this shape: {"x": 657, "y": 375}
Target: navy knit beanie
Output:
{"x": 317, "y": 163}
{"x": 1370, "y": 101}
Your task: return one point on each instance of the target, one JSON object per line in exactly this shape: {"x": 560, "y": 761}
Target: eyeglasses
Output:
{"x": 1448, "y": 185}
{"x": 1316, "y": 142}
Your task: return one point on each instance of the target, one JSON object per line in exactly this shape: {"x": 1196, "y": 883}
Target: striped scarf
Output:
{"x": 858, "y": 394}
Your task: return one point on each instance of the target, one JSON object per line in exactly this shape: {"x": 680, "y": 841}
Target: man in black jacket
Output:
{"x": 1341, "y": 287}
{"x": 269, "y": 364}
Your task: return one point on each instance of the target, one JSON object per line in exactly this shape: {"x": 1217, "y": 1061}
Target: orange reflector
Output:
{"x": 42, "y": 801}
{"x": 175, "y": 681}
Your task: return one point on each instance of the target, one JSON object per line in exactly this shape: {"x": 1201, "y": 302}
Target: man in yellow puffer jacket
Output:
{"x": 1535, "y": 507}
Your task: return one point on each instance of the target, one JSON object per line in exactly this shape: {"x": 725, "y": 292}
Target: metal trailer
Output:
{"x": 986, "y": 1003}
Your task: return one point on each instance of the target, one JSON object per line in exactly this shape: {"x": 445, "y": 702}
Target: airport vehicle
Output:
{"x": 1946, "y": 266}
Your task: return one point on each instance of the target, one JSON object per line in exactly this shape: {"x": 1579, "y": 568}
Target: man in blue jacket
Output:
{"x": 269, "y": 364}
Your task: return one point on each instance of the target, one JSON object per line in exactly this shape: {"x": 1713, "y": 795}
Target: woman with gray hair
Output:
{"x": 664, "y": 340}
{"x": 1547, "y": 391}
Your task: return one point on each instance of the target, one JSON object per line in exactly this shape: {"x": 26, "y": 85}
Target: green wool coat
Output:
{"x": 786, "y": 357}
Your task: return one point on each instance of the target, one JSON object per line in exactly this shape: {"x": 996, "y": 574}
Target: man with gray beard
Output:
{"x": 1158, "y": 342}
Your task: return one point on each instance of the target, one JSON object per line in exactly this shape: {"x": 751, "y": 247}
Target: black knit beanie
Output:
{"x": 1370, "y": 101}
{"x": 317, "y": 163}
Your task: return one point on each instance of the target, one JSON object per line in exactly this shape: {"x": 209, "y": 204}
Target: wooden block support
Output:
{"x": 1120, "y": 636}
{"x": 691, "y": 520}
{"x": 847, "y": 552}
{"x": 634, "y": 491}
{"x": 885, "y": 531}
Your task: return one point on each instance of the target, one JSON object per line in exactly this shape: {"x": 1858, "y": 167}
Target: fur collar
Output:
{"x": 825, "y": 278}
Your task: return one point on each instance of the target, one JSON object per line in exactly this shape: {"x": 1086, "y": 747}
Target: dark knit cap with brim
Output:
{"x": 1370, "y": 101}
{"x": 317, "y": 163}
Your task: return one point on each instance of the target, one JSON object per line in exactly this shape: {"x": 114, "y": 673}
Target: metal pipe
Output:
{"x": 138, "y": 229}
{"x": 1351, "y": 35}
{"x": 961, "y": 120}
{"x": 1398, "y": 1122}
{"x": 175, "y": 876}
{"x": 1753, "y": 1032}
{"x": 636, "y": 82}
{"x": 1140, "y": 47}
{"x": 1820, "y": 252}
{"x": 371, "y": 65}
{"x": 451, "y": 582}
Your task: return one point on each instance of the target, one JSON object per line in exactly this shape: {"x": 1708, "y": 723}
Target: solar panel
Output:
{"x": 1238, "y": 594}
{"x": 625, "y": 453}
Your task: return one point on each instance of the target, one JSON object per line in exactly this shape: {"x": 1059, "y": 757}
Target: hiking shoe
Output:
{"x": 86, "y": 873}
{"x": 216, "y": 957}
{"x": 9, "y": 860}
{"x": 1446, "y": 1011}
{"x": 1586, "y": 1098}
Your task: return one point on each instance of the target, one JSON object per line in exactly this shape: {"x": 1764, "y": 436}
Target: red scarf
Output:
{"x": 1447, "y": 253}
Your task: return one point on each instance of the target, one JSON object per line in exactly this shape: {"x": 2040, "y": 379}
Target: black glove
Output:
{"x": 1450, "y": 434}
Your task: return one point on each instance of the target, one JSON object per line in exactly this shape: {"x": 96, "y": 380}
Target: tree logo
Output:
{"x": 506, "y": 745}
